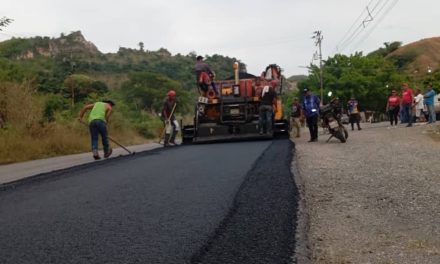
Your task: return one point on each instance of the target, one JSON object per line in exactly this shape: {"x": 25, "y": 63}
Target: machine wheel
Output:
{"x": 345, "y": 133}
{"x": 340, "y": 135}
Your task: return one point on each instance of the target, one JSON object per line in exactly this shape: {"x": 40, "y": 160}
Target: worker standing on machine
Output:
{"x": 204, "y": 75}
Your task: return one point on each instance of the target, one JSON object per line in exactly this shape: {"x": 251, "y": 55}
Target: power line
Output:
{"x": 392, "y": 5}
{"x": 351, "y": 27}
{"x": 361, "y": 27}
{"x": 370, "y": 18}
{"x": 386, "y": 2}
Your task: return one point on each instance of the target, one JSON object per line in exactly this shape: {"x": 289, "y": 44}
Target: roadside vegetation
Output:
{"x": 370, "y": 78}
{"x": 44, "y": 82}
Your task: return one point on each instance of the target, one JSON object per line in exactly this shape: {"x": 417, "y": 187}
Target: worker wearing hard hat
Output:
{"x": 171, "y": 124}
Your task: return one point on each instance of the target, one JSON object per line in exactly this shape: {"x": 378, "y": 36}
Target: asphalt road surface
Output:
{"x": 217, "y": 203}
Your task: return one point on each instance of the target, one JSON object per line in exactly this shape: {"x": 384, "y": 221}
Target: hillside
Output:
{"x": 44, "y": 82}
{"x": 73, "y": 44}
{"x": 51, "y": 60}
{"x": 419, "y": 57}
{"x": 292, "y": 82}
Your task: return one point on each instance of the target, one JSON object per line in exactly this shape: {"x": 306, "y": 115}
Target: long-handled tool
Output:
{"x": 167, "y": 123}
{"x": 114, "y": 141}
{"x": 122, "y": 146}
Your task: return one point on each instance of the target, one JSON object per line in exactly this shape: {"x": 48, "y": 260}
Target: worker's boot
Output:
{"x": 96, "y": 154}
{"x": 108, "y": 153}
{"x": 166, "y": 140}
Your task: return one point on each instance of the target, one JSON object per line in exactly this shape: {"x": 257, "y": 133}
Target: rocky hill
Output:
{"x": 418, "y": 58}
{"x": 292, "y": 82}
{"x": 73, "y": 44}
{"x": 50, "y": 61}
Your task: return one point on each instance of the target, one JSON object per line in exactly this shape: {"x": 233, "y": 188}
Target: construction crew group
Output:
{"x": 100, "y": 112}
{"x": 406, "y": 107}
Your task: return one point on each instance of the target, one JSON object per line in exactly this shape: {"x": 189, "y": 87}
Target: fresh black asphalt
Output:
{"x": 218, "y": 203}
{"x": 260, "y": 226}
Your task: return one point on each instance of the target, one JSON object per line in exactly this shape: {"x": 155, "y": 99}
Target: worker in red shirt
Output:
{"x": 407, "y": 101}
{"x": 205, "y": 76}
{"x": 393, "y": 107}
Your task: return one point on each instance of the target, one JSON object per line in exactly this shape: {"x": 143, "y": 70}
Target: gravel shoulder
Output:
{"x": 374, "y": 199}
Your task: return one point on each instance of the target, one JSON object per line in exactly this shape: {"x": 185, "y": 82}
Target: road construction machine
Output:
{"x": 229, "y": 109}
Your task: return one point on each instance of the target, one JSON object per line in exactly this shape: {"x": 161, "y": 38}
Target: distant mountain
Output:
{"x": 51, "y": 60}
{"x": 292, "y": 82}
{"x": 297, "y": 78}
{"x": 418, "y": 58}
{"x": 73, "y": 44}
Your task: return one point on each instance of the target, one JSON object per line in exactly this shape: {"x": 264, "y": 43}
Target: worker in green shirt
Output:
{"x": 98, "y": 119}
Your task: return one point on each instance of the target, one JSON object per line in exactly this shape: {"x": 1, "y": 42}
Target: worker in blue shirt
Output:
{"x": 429, "y": 102}
{"x": 311, "y": 111}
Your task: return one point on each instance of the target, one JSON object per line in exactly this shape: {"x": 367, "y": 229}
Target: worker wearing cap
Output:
{"x": 168, "y": 111}
{"x": 311, "y": 112}
{"x": 98, "y": 118}
{"x": 204, "y": 75}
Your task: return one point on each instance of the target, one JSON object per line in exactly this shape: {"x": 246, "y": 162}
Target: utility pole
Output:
{"x": 318, "y": 40}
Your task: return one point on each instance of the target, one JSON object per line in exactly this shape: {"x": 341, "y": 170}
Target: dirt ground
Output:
{"x": 374, "y": 199}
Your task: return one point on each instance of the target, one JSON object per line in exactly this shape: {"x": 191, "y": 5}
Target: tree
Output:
{"x": 365, "y": 77}
{"x": 146, "y": 91}
{"x": 141, "y": 46}
{"x": 79, "y": 86}
{"x": 389, "y": 48}
{"x": 4, "y": 21}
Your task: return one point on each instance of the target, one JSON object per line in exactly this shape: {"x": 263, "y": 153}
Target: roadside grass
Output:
{"x": 27, "y": 134}
{"x": 54, "y": 140}
{"x": 36, "y": 143}
{"x": 35, "y": 126}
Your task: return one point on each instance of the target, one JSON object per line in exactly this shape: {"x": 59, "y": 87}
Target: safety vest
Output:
{"x": 98, "y": 112}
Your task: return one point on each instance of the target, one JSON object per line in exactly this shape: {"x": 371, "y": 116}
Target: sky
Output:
{"x": 255, "y": 32}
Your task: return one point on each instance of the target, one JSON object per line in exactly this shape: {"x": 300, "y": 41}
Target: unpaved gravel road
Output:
{"x": 375, "y": 199}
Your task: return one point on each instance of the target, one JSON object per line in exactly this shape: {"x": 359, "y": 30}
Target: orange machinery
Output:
{"x": 233, "y": 113}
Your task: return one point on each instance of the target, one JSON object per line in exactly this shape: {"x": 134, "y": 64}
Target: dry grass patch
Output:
{"x": 25, "y": 136}
{"x": 424, "y": 246}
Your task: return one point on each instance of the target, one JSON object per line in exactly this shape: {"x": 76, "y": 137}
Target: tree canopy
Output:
{"x": 368, "y": 78}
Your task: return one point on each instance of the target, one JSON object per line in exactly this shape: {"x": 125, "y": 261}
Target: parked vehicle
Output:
{"x": 333, "y": 123}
